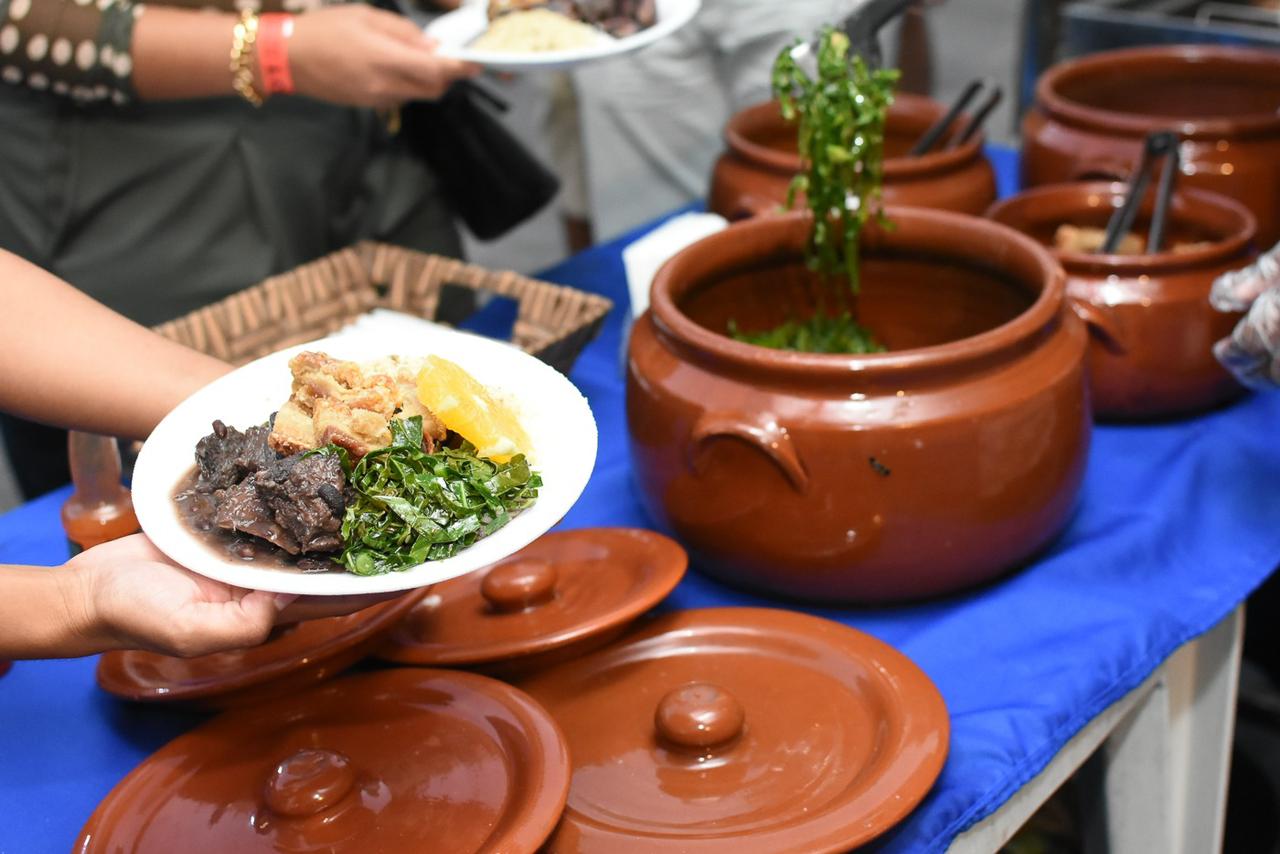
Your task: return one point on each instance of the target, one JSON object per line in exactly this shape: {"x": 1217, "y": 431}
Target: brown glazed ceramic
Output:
{"x": 1152, "y": 351}
{"x": 295, "y": 657}
{"x": 896, "y": 475}
{"x": 741, "y": 730}
{"x": 752, "y": 176}
{"x": 1091, "y": 116}
{"x": 565, "y": 594}
{"x": 395, "y": 761}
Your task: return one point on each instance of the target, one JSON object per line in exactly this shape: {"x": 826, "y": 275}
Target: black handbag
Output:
{"x": 488, "y": 175}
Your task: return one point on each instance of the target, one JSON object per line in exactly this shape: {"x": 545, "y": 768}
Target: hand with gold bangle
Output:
{"x": 264, "y": 38}
{"x": 350, "y": 54}
{"x": 244, "y": 38}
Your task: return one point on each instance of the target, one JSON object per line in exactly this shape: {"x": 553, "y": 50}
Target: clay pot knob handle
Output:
{"x": 519, "y": 585}
{"x": 309, "y": 781}
{"x": 699, "y": 716}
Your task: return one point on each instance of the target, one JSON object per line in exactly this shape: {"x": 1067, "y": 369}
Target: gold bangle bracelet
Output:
{"x": 243, "y": 38}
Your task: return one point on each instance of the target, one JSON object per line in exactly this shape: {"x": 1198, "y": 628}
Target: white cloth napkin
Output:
{"x": 643, "y": 257}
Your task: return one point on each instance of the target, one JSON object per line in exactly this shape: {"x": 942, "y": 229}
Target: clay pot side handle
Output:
{"x": 766, "y": 435}
{"x": 1100, "y": 324}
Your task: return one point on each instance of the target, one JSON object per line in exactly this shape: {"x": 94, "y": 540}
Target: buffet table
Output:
{"x": 1121, "y": 641}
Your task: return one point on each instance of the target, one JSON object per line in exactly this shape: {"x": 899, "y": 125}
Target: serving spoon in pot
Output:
{"x": 862, "y": 26}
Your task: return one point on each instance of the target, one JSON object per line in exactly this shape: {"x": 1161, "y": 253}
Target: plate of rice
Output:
{"x": 523, "y": 35}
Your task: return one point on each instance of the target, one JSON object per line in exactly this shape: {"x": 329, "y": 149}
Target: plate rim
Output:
{"x": 559, "y": 59}
{"x": 152, "y": 513}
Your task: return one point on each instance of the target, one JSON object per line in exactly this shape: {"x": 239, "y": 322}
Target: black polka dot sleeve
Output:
{"x": 77, "y": 49}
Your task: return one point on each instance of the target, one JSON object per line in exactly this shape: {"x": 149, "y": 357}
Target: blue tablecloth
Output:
{"x": 1177, "y": 523}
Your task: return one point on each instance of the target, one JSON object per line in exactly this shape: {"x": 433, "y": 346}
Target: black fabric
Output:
{"x": 489, "y": 177}
{"x": 37, "y": 455}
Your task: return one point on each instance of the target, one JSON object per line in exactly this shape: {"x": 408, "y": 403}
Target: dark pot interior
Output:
{"x": 1228, "y": 87}
{"x": 1176, "y": 90}
{"x": 1194, "y": 217}
{"x": 906, "y": 301}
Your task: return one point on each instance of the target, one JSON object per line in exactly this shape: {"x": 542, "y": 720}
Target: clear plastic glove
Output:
{"x": 1252, "y": 352}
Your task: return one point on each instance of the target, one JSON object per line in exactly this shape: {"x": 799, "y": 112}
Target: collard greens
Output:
{"x": 410, "y": 507}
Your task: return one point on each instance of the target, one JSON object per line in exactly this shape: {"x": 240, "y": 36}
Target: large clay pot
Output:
{"x": 1152, "y": 351}
{"x": 923, "y": 470}
{"x": 1091, "y": 115}
{"x": 752, "y": 176}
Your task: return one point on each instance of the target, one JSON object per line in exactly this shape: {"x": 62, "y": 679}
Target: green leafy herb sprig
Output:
{"x": 840, "y": 120}
{"x": 840, "y": 117}
{"x": 411, "y": 507}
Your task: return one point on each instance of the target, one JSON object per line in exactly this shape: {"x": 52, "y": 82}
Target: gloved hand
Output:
{"x": 1252, "y": 352}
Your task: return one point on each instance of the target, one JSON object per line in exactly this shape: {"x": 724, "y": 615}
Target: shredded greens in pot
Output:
{"x": 840, "y": 120}
{"x": 410, "y": 507}
{"x": 821, "y": 333}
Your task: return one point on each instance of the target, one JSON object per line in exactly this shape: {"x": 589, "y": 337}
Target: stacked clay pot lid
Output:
{"x": 566, "y": 593}
{"x": 393, "y": 761}
{"x": 295, "y": 657}
{"x": 741, "y": 730}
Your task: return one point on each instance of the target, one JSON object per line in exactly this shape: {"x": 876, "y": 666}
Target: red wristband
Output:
{"x": 273, "y": 52}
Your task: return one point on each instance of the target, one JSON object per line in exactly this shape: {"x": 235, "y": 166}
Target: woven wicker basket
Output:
{"x": 552, "y": 322}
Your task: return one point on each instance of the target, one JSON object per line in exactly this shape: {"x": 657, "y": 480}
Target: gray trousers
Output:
{"x": 652, "y": 121}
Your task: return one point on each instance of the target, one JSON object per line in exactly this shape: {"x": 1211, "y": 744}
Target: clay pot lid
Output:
{"x": 563, "y": 588}
{"x": 147, "y": 676}
{"x": 393, "y": 761}
{"x": 742, "y": 730}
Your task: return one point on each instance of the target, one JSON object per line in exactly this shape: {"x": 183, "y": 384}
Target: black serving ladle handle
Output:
{"x": 989, "y": 103}
{"x": 1158, "y": 144}
{"x": 938, "y": 128}
{"x": 864, "y": 24}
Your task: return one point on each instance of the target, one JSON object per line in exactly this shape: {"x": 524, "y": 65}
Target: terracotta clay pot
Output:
{"x": 752, "y": 176}
{"x": 1091, "y": 116}
{"x": 897, "y": 475}
{"x": 1152, "y": 348}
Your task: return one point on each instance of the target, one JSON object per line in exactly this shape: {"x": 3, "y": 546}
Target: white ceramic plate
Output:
{"x": 556, "y": 416}
{"x": 457, "y": 29}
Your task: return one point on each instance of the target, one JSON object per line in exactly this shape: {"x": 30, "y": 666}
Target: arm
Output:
{"x": 73, "y": 362}
{"x": 125, "y": 595}
{"x": 348, "y": 54}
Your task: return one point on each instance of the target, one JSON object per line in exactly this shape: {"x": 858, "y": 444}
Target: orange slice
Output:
{"x": 467, "y": 408}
